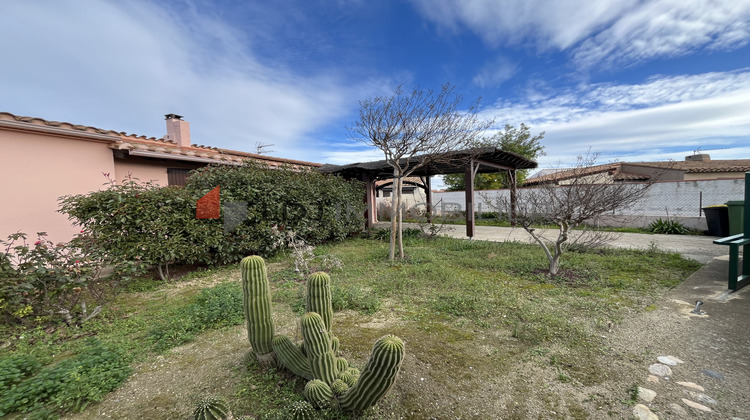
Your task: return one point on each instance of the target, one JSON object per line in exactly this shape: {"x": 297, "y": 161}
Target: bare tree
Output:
{"x": 413, "y": 130}
{"x": 581, "y": 196}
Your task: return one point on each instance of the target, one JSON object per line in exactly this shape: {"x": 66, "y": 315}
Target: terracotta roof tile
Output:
{"x": 161, "y": 145}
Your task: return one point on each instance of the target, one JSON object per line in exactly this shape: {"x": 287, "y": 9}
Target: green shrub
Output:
{"x": 316, "y": 207}
{"x": 46, "y": 281}
{"x": 157, "y": 225}
{"x": 69, "y": 385}
{"x": 142, "y": 222}
{"x": 669, "y": 227}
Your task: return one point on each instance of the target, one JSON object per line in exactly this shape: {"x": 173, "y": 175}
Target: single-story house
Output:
{"x": 43, "y": 160}
{"x": 694, "y": 168}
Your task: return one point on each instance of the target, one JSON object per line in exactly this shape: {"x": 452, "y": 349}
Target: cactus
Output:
{"x": 256, "y": 299}
{"x": 378, "y": 375}
{"x": 318, "y": 345}
{"x": 212, "y": 408}
{"x": 301, "y": 410}
{"x": 339, "y": 387}
{"x": 334, "y": 344}
{"x": 318, "y": 393}
{"x": 291, "y": 357}
{"x": 348, "y": 378}
{"x": 332, "y": 382}
{"x": 341, "y": 364}
{"x": 319, "y": 297}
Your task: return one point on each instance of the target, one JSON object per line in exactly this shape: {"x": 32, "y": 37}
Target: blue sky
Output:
{"x": 631, "y": 80}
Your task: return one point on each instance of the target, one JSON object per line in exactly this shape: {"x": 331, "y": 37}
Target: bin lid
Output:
{"x": 736, "y": 203}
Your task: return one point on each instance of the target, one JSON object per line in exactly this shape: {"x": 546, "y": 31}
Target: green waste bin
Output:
{"x": 736, "y": 211}
{"x": 717, "y": 219}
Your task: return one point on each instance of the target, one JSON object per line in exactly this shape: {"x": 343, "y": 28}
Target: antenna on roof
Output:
{"x": 261, "y": 148}
{"x": 697, "y": 151}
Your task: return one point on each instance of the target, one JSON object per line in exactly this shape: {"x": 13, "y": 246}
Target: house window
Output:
{"x": 177, "y": 176}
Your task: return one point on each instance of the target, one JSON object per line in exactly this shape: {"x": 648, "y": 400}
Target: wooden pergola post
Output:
{"x": 469, "y": 188}
{"x": 371, "y": 216}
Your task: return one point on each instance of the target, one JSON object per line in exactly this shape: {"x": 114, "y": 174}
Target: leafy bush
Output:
{"x": 71, "y": 384}
{"x": 45, "y": 280}
{"x": 316, "y": 207}
{"x": 145, "y": 223}
{"x": 157, "y": 225}
{"x": 669, "y": 227}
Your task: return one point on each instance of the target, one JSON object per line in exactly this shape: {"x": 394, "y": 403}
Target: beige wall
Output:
{"x": 143, "y": 171}
{"x": 36, "y": 169}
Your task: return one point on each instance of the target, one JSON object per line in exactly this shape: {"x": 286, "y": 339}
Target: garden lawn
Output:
{"x": 488, "y": 334}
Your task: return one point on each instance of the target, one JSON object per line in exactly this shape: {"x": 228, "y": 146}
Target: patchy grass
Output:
{"x": 488, "y": 334}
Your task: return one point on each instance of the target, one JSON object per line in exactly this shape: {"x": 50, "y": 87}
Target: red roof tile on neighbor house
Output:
{"x": 141, "y": 144}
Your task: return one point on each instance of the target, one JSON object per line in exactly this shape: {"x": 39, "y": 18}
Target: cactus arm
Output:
{"x": 291, "y": 357}
{"x": 319, "y": 297}
{"x": 256, "y": 299}
{"x": 318, "y": 346}
{"x": 378, "y": 375}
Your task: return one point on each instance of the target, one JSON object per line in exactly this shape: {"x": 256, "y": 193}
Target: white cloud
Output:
{"x": 557, "y": 24}
{"x": 665, "y": 113}
{"x": 668, "y": 28}
{"x": 123, "y": 65}
{"x": 496, "y": 72}
{"x": 600, "y": 33}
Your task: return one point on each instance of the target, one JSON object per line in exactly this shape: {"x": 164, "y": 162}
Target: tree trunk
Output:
{"x": 513, "y": 196}
{"x": 400, "y": 221}
{"x": 394, "y": 216}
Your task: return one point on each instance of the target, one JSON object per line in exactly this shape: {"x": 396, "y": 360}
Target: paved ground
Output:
{"x": 698, "y": 248}
{"x": 714, "y": 346}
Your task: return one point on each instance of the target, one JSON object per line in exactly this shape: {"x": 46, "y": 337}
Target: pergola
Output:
{"x": 469, "y": 161}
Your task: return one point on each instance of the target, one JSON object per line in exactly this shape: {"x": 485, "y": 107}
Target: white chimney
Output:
{"x": 178, "y": 130}
{"x": 701, "y": 157}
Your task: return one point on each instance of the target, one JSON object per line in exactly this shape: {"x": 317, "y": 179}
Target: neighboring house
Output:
{"x": 43, "y": 160}
{"x": 693, "y": 168}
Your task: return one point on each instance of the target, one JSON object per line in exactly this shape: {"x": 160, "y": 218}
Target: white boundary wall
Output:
{"x": 680, "y": 200}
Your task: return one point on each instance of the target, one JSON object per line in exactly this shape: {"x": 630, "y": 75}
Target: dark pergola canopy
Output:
{"x": 488, "y": 159}
{"x": 468, "y": 161}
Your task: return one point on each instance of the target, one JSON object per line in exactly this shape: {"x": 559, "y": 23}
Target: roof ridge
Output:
{"x": 156, "y": 142}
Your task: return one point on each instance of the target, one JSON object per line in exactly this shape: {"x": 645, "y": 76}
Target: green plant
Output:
{"x": 212, "y": 408}
{"x": 669, "y": 227}
{"x": 378, "y": 375}
{"x": 301, "y": 410}
{"x": 47, "y": 281}
{"x": 315, "y": 359}
{"x": 71, "y": 384}
{"x": 319, "y": 297}
{"x": 256, "y": 301}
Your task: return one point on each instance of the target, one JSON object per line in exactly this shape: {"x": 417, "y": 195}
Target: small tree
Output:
{"x": 422, "y": 123}
{"x": 569, "y": 205}
{"x": 511, "y": 139}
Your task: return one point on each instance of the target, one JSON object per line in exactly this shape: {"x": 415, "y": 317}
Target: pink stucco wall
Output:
{"x": 36, "y": 169}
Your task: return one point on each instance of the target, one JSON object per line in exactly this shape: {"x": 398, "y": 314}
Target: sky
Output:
{"x": 629, "y": 80}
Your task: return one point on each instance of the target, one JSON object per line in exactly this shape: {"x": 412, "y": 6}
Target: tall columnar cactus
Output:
{"x": 319, "y": 297}
{"x": 378, "y": 375}
{"x": 332, "y": 382}
{"x": 318, "y": 346}
{"x": 256, "y": 298}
